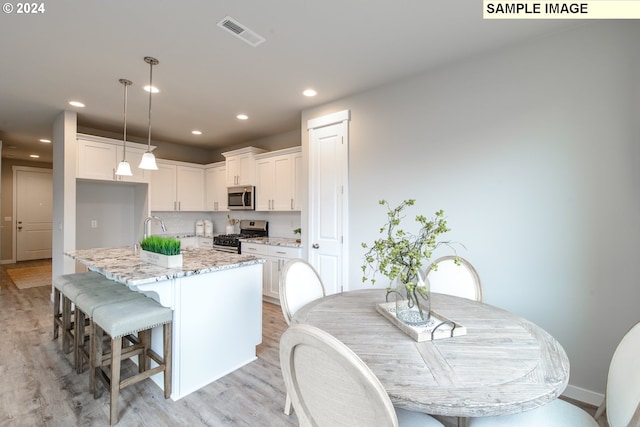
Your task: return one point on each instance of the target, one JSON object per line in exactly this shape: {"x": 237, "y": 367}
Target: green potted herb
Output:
{"x": 298, "y": 231}
{"x": 163, "y": 251}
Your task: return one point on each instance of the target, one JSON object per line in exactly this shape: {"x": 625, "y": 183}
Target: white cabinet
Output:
{"x": 278, "y": 180}
{"x": 177, "y": 187}
{"x": 98, "y": 159}
{"x": 216, "y": 187}
{"x": 241, "y": 166}
{"x": 276, "y": 257}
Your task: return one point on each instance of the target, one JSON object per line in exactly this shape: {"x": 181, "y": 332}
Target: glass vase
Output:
{"x": 413, "y": 300}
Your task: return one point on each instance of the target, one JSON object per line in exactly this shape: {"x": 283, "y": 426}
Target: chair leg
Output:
{"x": 601, "y": 408}
{"x": 78, "y": 340}
{"x": 116, "y": 351}
{"x": 462, "y": 422}
{"x": 167, "y": 339}
{"x": 66, "y": 324}
{"x": 288, "y": 408}
{"x": 57, "y": 315}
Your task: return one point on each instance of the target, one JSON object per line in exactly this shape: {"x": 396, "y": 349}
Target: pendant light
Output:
{"x": 123, "y": 167}
{"x": 148, "y": 159}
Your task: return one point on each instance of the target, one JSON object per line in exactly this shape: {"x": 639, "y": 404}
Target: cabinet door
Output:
{"x": 264, "y": 184}
{"x": 233, "y": 170}
{"x": 297, "y": 182}
{"x": 190, "y": 189}
{"x": 96, "y": 160}
{"x": 162, "y": 188}
{"x": 247, "y": 171}
{"x": 282, "y": 184}
{"x": 216, "y": 188}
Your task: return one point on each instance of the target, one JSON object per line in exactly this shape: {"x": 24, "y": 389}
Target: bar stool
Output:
{"x": 70, "y": 295}
{"x": 122, "y": 320}
{"x": 62, "y": 306}
{"x": 86, "y": 303}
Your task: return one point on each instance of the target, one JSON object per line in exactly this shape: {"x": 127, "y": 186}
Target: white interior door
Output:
{"x": 328, "y": 186}
{"x": 33, "y": 213}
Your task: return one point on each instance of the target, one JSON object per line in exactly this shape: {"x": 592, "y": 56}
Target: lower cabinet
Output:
{"x": 276, "y": 256}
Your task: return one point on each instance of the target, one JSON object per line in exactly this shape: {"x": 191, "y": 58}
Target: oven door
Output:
{"x": 241, "y": 198}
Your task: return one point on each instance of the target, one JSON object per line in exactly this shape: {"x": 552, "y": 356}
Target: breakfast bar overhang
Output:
{"x": 216, "y": 300}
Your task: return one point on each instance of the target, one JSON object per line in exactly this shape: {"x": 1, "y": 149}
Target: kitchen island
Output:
{"x": 216, "y": 299}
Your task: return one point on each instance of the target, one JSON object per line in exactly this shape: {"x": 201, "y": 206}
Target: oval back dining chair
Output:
{"x": 447, "y": 277}
{"x": 299, "y": 284}
{"x": 622, "y": 398}
{"x": 330, "y": 385}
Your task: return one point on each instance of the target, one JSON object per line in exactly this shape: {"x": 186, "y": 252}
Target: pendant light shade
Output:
{"x": 123, "y": 167}
{"x": 148, "y": 159}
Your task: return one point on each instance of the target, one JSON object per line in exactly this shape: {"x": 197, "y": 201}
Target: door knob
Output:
{"x": 315, "y": 246}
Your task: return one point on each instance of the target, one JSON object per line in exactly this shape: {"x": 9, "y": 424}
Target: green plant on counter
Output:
{"x": 161, "y": 245}
{"x": 297, "y": 231}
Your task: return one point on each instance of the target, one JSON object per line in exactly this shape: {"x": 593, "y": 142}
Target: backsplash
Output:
{"x": 281, "y": 224}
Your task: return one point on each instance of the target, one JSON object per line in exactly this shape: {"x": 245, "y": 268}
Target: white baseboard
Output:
{"x": 8, "y": 261}
{"x": 583, "y": 395}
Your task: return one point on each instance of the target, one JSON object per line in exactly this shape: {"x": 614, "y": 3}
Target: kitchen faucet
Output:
{"x": 146, "y": 222}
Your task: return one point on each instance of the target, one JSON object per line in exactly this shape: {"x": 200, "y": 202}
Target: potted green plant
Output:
{"x": 399, "y": 255}
{"x": 162, "y": 251}
{"x": 298, "y": 231}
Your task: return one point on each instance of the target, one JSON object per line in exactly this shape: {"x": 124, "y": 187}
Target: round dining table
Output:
{"x": 502, "y": 365}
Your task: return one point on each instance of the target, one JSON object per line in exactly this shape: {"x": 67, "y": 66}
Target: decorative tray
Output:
{"x": 438, "y": 327}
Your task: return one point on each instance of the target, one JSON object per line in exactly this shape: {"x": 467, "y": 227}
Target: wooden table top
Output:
{"x": 503, "y": 365}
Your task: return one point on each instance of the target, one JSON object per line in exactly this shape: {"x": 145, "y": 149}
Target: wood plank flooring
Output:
{"x": 38, "y": 386}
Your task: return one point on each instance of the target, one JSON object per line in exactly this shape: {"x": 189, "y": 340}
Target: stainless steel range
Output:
{"x": 248, "y": 228}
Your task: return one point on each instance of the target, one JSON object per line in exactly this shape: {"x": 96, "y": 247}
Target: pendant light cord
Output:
{"x": 150, "y": 91}
{"x": 124, "y": 152}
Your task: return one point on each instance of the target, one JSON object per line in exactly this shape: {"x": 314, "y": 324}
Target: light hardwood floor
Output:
{"x": 38, "y": 386}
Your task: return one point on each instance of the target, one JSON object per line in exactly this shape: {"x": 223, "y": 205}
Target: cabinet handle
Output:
{"x": 179, "y": 206}
{"x": 281, "y": 252}
{"x": 215, "y": 206}
{"x": 175, "y": 208}
{"x": 291, "y": 204}
{"x": 249, "y": 249}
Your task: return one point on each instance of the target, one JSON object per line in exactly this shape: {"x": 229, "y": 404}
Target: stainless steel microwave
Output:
{"x": 241, "y": 198}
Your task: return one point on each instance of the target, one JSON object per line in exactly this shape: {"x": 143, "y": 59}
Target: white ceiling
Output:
{"x": 79, "y": 49}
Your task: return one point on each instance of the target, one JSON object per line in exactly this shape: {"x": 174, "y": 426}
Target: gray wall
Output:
{"x": 533, "y": 153}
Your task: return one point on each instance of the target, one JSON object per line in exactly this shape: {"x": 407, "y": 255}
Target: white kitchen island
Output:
{"x": 216, "y": 299}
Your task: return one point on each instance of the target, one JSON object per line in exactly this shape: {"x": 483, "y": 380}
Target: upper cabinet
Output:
{"x": 177, "y": 186}
{"x": 216, "y": 187}
{"x": 98, "y": 158}
{"x": 278, "y": 180}
{"x": 240, "y": 166}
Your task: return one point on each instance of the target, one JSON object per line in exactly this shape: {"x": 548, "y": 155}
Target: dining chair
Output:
{"x": 330, "y": 385}
{"x": 447, "y": 277}
{"x": 622, "y": 397}
{"x": 299, "y": 284}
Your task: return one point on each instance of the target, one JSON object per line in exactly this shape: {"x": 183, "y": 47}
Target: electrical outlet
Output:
{"x": 7, "y": 218}
{"x": 94, "y": 223}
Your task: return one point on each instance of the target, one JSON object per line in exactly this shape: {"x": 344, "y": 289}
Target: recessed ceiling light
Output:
{"x": 153, "y": 89}
{"x": 242, "y": 117}
{"x": 76, "y": 104}
{"x": 196, "y": 132}
{"x": 309, "y": 92}
{"x": 46, "y": 141}
{"x": 35, "y": 156}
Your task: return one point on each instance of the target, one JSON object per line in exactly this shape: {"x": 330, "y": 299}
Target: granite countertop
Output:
{"x": 274, "y": 241}
{"x": 123, "y": 265}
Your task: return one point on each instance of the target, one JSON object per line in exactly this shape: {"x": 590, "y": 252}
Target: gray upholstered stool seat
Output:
{"x": 62, "y": 306}
{"x": 86, "y": 303}
{"x": 122, "y": 320}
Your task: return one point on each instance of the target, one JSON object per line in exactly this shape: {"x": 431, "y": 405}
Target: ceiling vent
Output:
{"x": 240, "y": 31}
